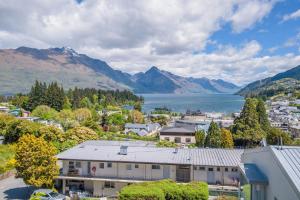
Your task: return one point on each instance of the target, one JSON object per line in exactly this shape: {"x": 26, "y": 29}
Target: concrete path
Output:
{"x": 12, "y": 188}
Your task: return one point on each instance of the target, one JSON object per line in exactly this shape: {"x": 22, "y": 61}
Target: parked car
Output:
{"x": 47, "y": 194}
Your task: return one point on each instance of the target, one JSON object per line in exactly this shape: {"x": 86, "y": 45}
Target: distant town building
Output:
{"x": 180, "y": 135}
{"x": 142, "y": 129}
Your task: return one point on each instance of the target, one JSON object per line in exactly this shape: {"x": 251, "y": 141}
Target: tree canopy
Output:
{"x": 213, "y": 138}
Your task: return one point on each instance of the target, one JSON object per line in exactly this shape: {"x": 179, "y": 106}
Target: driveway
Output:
{"x": 14, "y": 189}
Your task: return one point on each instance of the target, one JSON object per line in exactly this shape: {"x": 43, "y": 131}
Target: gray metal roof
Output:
{"x": 178, "y": 129}
{"x": 289, "y": 158}
{"x": 102, "y": 151}
{"x": 253, "y": 174}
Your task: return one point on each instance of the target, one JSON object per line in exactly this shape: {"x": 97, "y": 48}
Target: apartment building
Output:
{"x": 180, "y": 135}
{"x": 102, "y": 168}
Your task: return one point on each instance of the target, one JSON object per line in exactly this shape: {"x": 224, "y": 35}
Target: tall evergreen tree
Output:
{"x": 226, "y": 138}
{"x": 262, "y": 115}
{"x": 55, "y": 96}
{"x": 213, "y": 138}
{"x": 200, "y": 138}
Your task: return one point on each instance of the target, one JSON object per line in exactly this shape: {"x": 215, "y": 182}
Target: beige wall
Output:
{"x": 183, "y": 138}
{"x": 279, "y": 185}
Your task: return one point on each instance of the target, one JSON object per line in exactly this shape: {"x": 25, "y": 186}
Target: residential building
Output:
{"x": 295, "y": 131}
{"x": 4, "y": 109}
{"x": 273, "y": 172}
{"x": 180, "y": 135}
{"x": 142, "y": 129}
{"x": 199, "y": 125}
{"x": 102, "y": 168}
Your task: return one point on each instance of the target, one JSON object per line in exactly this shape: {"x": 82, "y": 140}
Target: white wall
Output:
{"x": 279, "y": 185}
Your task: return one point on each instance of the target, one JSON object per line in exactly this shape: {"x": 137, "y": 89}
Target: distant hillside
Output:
{"x": 160, "y": 81}
{"x": 287, "y": 81}
{"x": 22, "y": 66}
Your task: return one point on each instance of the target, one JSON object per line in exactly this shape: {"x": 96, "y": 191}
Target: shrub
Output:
{"x": 165, "y": 189}
{"x": 80, "y": 134}
{"x": 141, "y": 192}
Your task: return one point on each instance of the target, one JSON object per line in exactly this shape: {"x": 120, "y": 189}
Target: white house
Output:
{"x": 142, "y": 129}
{"x": 180, "y": 135}
{"x": 102, "y": 168}
{"x": 273, "y": 172}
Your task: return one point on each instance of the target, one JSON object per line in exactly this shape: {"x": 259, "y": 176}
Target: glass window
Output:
{"x": 155, "y": 166}
{"x": 109, "y": 165}
{"x": 226, "y": 169}
{"x": 177, "y": 140}
{"x": 108, "y": 184}
{"x": 195, "y": 167}
{"x": 128, "y": 166}
{"x": 167, "y": 138}
{"x": 78, "y": 164}
{"x": 136, "y": 166}
{"x": 218, "y": 169}
{"x": 211, "y": 169}
{"x": 187, "y": 140}
{"x": 101, "y": 165}
{"x": 202, "y": 168}
{"x": 234, "y": 169}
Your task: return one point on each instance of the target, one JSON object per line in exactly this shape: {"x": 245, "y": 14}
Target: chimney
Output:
{"x": 123, "y": 150}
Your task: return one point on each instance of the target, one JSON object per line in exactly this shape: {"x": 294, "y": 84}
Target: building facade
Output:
{"x": 179, "y": 135}
{"x": 103, "y": 168}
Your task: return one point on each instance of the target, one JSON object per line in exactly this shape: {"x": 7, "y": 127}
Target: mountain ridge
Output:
{"x": 23, "y": 65}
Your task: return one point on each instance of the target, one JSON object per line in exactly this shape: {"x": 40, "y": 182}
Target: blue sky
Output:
{"x": 235, "y": 40}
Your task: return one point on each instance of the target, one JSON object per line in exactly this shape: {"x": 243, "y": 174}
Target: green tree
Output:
{"x": 246, "y": 130}
{"x": 82, "y": 114}
{"x": 226, "y": 138}
{"x": 50, "y": 133}
{"x": 44, "y": 112}
{"x": 55, "y": 96}
{"x": 200, "y": 138}
{"x": 35, "y": 161}
{"x": 137, "y": 106}
{"x": 86, "y": 103}
{"x": 213, "y": 138}
{"x": 274, "y": 135}
{"x": 37, "y": 95}
{"x": 17, "y": 128}
{"x": 262, "y": 115}
{"x": 67, "y": 105}
{"x": 80, "y": 134}
{"x": 135, "y": 116}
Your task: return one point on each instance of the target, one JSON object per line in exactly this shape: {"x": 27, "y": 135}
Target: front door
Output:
{"x": 166, "y": 172}
{"x": 211, "y": 176}
{"x": 183, "y": 173}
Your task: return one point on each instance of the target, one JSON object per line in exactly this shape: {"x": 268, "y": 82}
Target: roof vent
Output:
{"x": 175, "y": 150}
{"x": 123, "y": 150}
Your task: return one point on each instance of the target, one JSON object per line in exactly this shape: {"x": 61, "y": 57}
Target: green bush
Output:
{"x": 141, "y": 192}
{"x": 166, "y": 190}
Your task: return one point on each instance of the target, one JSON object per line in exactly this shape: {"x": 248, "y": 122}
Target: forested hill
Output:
{"x": 288, "y": 81}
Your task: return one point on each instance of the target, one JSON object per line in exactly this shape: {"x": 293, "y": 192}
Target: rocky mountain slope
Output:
{"x": 22, "y": 66}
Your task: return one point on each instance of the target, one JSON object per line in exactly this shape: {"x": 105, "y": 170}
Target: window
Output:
{"x": 202, "y": 168}
{"x": 177, "y": 140}
{"x": 226, "y": 169}
{"x": 167, "y": 138}
{"x": 78, "y": 164}
{"x": 109, "y": 165}
{"x": 108, "y": 184}
{"x": 136, "y": 166}
{"x": 101, "y": 165}
{"x": 128, "y": 166}
{"x": 155, "y": 166}
{"x": 195, "y": 167}
{"x": 187, "y": 140}
{"x": 218, "y": 169}
{"x": 234, "y": 169}
{"x": 211, "y": 169}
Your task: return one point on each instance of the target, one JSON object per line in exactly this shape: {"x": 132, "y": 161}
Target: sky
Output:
{"x": 236, "y": 40}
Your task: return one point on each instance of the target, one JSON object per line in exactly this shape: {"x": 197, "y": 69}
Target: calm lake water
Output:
{"x": 225, "y": 103}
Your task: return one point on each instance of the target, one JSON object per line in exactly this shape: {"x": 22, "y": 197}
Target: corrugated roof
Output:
{"x": 102, "y": 151}
{"x": 289, "y": 158}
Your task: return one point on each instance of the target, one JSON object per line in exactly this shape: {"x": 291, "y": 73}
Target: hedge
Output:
{"x": 165, "y": 190}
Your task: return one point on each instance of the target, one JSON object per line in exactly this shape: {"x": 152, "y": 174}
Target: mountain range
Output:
{"x": 22, "y": 66}
{"x": 287, "y": 81}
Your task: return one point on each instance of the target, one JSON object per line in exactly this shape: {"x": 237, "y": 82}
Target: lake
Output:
{"x": 225, "y": 103}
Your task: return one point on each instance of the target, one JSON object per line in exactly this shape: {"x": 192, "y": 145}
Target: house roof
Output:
{"x": 289, "y": 159}
{"x": 131, "y": 125}
{"x": 253, "y": 174}
{"x": 184, "y": 129}
{"x": 102, "y": 151}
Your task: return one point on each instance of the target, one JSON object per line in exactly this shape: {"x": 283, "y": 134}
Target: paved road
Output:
{"x": 14, "y": 189}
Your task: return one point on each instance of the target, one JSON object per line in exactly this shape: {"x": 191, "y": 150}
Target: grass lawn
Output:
{"x": 6, "y": 153}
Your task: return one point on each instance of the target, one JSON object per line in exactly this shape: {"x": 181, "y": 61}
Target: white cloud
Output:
{"x": 133, "y": 35}
{"x": 291, "y": 16}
